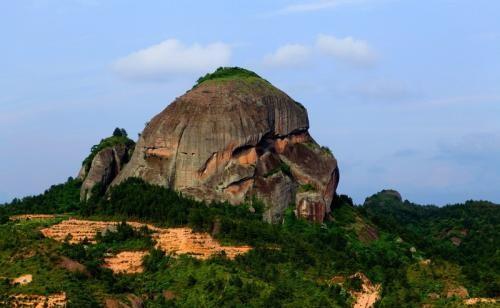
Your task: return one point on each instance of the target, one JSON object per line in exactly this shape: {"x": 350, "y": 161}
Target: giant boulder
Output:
{"x": 233, "y": 138}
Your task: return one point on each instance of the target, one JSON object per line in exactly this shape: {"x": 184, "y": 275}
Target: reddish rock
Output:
{"x": 104, "y": 168}
{"x": 233, "y": 139}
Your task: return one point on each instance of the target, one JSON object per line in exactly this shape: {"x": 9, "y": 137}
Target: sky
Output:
{"x": 406, "y": 93}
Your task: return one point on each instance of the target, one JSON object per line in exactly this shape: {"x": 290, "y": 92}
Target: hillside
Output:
{"x": 406, "y": 248}
{"x": 227, "y": 201}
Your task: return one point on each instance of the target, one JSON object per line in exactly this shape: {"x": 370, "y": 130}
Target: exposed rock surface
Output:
{"x": 23, "y": 279}
{"x": 367, "y": 296}
{"x": 199, "y": 245}
{"x": 38, "y": 301}
{"x": 479, "y": 300}
{"x": 104, "y": 168}
{"x": 126, "y": 262}
{"x": 175, "y": 241}
{"x": 233, "y": 139}
{"x": 32, "y": 217}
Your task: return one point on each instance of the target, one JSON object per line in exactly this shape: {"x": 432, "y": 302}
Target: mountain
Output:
{"x": 232, "y": 137}
{"x": 153, "y": 224}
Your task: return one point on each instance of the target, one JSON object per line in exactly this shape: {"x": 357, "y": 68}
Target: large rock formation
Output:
{"x": 233, "y": 138}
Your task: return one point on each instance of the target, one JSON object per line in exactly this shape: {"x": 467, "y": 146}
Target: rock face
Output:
{"x": 232, "y": 139}
{"x": 104, "y": 168}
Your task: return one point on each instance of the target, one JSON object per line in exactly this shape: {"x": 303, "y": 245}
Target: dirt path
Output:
{"x": 32, "y": 217}
{"x": 171, "y": 240}
{"x": 199, "y": 245}
{"x": 38, "y": 301}
{"x": 126, "y": 262}
{"x": 77, "y": 230}
{"x": 477, "y": 300}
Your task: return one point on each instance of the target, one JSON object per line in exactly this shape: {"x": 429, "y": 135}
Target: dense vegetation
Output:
{"x": 119, "y": 137}
{"x": 228, "y": 73}
{"x": 292, "y": 263}
{"x": 466, "y": 234}
{"x": 59, "y": 198}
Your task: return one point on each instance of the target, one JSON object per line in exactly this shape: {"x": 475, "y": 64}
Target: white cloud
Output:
{"x": 348, "y": 49}
{"x": 344, "y": 50}
{"x": 316, "y": 6}
{"x": 290, "y": 55}
{"x": 171, "y": 57}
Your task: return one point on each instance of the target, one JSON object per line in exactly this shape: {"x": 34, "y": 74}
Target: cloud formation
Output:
{"x": 171, "y": 57}
{"x": 348, "y": 49}
{"x": 289, "y": 55}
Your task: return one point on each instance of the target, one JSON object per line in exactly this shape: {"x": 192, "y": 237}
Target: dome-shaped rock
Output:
{"x": 234, "y": 137}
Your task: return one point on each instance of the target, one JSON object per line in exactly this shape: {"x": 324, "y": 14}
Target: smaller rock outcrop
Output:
{"x": 105, "y": 162}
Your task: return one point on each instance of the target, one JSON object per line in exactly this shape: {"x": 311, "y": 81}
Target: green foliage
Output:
{"x": 59, "y": 198}
{"x": 306, "y": 187}
{"x": 227, "y": 73}
{"x": 119, "y": 137}
{"x": 327, "y": 150}
{"x": 430, "y": 229}
{"x": 290, "y": 264}
{"x": 126, "y": 238}
{"x": 283, "y": 167}
{"x": 155, "y": 260}
{"x": 120, "y": 132}
{"x": 354, "y": 283}
{"x": 4, "y": 218}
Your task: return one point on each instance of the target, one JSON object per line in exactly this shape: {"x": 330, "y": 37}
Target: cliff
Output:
{"x": 235, "y": 136}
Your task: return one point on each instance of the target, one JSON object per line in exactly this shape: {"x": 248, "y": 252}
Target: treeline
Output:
{"x": 467, "y": 234}
{"x": 61, "y": 198}
{"x": 291, "y": 262}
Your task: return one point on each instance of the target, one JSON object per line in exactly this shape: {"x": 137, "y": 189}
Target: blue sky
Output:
{"x": 406, "y": 93}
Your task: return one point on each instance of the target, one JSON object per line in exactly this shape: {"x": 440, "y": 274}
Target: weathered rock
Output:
{"x": 82, "y": 173}
{"x": 104, "y": 168}
{"x": 233, "y": 139}
{"x": 310, "y": 206}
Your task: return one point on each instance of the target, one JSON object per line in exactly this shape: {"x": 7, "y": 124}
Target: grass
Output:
{"x": 228, "y": 73}
{"x": 306, "y": 187}
{"x": 283, "y": 167}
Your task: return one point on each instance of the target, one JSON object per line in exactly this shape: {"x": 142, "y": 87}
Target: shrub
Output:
{"x": 306, "y": 187}
{"x": 227, "y": 72}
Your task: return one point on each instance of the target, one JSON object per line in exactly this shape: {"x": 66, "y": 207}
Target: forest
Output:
{"x": 291, "y": 264}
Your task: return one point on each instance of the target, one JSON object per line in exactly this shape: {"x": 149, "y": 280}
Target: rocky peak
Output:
{"x": 232, "y": 137}
{"x": 105, "y": 162}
